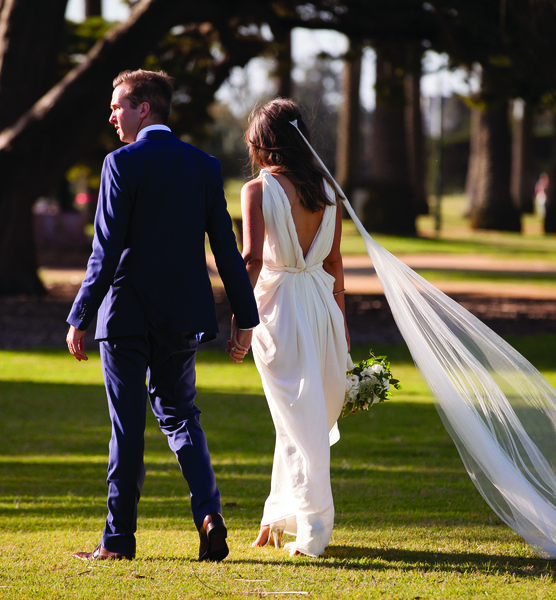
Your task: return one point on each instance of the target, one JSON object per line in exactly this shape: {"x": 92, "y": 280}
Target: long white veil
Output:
{"x": 499, "y": 410}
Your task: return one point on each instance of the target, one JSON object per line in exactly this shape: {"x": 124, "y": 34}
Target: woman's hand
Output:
{"x": 240, "y": 342}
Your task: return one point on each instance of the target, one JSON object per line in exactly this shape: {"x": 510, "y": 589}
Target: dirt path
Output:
{"x": 361, "y": 279}
{"x": 507, "y": 308}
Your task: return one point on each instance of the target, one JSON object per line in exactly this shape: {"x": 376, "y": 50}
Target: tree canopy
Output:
{"x": 54, "y": 106}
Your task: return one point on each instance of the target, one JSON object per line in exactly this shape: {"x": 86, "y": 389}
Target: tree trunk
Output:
{"x": 494, "y": 208}
{"x": 550, "y": 206}
{"x": 522, "y": 182}
{"x": 417, "y": 158}
{"x": 390, "y": 207}
{"x": 471, "y": 189}
{"x": 348, "y": 145}
{"x": 284, "y": 62}
{"x": 93, "y": 8}
{"x": 28, "y": 51}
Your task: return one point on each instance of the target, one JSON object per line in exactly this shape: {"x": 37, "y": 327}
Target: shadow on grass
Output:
{"x": 369, "y": 560}
{"x": 458, "y": 562}
{"x": 401, "y": 462}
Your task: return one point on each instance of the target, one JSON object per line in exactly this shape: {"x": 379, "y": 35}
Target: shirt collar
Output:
{"x": 156, "y": 127}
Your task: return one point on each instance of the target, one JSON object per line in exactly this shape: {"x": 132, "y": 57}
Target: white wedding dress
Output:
{"x": 300, "y": 351}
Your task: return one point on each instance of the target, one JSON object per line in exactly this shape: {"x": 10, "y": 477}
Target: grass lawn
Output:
{"x": 409, "y": 522}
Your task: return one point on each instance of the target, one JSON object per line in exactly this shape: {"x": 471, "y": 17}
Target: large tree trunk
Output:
{"x": 390, "y": 207}
{"x": 471, "y": 189}
{"x": 28, "y": 50}
{"x": 93, "y": 8}
{"x": 37, "y": 150}
{"x": 417, "y": 159}
{"x": 348, "y": 146}
{"x": 550, "y": 206}
{"x": 522, "y": 184}
{"x": 494, "y": 208}
{"x": 284, "y": 62}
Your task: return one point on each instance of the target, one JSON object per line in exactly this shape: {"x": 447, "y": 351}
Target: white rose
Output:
{"x": 368, "y": 375}
{"x": 352, "y": 380}
{"x": 352, "y": 387}
{"x": 377, "y": 368}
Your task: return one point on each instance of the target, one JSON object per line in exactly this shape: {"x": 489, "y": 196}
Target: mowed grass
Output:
{"x": 409, "y": 522}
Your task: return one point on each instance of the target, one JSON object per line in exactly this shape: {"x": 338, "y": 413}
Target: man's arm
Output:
{"x": 111, "y": 226}
{"x": 229, "y": 262}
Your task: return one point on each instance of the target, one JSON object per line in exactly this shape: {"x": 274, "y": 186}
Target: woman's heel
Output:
{"x": 264, "y": 536}
{"x": 277, "y": 530}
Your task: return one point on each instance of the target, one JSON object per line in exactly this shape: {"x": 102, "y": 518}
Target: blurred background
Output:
{"x": 408, "y": 101}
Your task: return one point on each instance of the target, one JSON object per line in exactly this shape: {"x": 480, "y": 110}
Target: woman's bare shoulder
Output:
{"x": 252, "y": 191}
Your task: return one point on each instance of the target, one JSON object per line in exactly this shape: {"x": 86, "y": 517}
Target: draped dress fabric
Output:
{"x": 300, "y": 351}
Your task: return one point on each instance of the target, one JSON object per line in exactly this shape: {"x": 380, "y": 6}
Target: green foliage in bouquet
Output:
{"x": 370, "y": 381}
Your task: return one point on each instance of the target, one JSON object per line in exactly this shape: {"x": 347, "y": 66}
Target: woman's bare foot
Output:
{"x": 263, "y": 537}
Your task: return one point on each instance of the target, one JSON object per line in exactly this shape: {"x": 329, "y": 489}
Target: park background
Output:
{"x": 437, "y": 119}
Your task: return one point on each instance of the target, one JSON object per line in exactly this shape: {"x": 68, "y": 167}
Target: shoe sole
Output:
{"x": 217, "y": 546}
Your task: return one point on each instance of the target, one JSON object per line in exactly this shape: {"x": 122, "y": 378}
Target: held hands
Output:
{"x": 76, "y": 343}
{"x": 240, "y": 342}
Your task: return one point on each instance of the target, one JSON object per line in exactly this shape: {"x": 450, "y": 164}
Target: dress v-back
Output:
{"x": 300, "y": 351}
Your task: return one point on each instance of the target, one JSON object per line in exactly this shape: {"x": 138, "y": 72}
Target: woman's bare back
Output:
{"x": 306, "y": 223}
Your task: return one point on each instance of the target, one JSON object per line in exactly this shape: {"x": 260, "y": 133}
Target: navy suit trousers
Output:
{"x": 166, "y": 360}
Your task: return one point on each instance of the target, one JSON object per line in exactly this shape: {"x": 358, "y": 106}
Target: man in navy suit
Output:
{"x": 148, "y": 281}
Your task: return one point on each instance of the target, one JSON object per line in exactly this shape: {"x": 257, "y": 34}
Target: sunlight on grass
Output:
{"x": 50, "y": 367}
{"x": 409, "y": 522}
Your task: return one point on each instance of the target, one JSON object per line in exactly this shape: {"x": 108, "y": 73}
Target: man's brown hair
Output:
{"x": 155, "y": 88}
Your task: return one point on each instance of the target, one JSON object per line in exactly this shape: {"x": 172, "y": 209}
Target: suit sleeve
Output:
{"x": 110, "y": 233}
{"x": 229, "y": 262}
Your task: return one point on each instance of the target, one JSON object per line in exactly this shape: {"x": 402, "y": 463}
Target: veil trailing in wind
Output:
{"x": 499, "y": 410}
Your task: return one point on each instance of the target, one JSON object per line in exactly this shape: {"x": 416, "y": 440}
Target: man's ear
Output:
{"x": 144, "y": 109}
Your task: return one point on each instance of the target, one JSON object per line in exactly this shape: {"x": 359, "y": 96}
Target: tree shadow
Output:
{"x": 450, "y": 562}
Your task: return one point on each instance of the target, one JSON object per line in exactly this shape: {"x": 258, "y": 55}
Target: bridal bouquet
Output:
{"x": 368, "y": 382}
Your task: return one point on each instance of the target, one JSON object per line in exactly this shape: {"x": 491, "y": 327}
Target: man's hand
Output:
{"x": 240, "y": 342}
{"x": 76, "y": 343}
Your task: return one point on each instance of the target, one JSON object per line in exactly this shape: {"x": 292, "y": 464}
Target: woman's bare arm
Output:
{"x": 334, "y": 266}
{"x": 253, "y": 227}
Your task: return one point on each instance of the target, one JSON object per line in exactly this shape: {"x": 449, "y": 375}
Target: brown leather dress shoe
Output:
{"x": 212, "y": 534}
{"x": 100, "y": 553}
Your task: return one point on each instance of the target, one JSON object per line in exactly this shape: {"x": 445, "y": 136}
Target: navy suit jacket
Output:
{"x": 158, "y": 197}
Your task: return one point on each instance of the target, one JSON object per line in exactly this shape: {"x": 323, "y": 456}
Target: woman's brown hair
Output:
{"x": 273, "y": 142}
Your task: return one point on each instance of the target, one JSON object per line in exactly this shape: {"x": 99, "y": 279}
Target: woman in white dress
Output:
{"x": 291, "y": 234}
